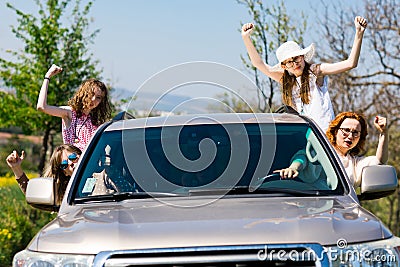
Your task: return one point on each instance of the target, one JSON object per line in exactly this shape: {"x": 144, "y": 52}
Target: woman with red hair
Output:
{"x": 347, "y": 134}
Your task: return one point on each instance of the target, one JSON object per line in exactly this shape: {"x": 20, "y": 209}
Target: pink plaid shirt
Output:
{"x": 79, "y": 132}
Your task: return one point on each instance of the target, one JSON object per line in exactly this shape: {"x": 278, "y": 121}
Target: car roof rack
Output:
{"x": 123, "y": 115}
{"x": 286, "y": 109}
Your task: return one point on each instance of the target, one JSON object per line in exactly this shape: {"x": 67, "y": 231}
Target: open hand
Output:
{"x": 13, "y": 160}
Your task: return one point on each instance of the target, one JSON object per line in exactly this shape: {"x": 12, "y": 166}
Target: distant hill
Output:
{"x": 167, "y": 103}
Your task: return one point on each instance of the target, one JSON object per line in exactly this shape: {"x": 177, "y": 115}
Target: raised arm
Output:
{"x": 14, "y": 162}
{"x": 42, "y": 99}
{"x": 255, "y": 57}
{"x": 382, "y": 151}
{"x": 352, "y": 61}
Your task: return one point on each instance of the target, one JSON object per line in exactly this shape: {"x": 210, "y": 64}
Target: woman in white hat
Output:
{"x": 304, "y": 85}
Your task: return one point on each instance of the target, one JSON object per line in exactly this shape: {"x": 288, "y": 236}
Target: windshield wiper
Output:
{"x": 218, "y": 191}
{"x": 248, "y": 190}
{"x": 261, "y": 180}
{"x": 290, "y": 191}
{"x": 123, "y": 196}
{"x": 257, "y": 187}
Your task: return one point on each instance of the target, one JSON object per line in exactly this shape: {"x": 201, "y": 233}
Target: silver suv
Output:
{"x": 200, "y": 190}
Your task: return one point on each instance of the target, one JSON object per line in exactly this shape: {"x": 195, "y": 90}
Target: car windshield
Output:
{"x": 205, "y": 159}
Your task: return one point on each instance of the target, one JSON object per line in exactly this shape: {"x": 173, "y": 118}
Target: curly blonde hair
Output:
{"x": 335, "y": 124}
{"x": 83, "y": 97}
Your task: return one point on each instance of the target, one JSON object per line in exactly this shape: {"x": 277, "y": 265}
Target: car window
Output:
{"x": 180, "y": 158}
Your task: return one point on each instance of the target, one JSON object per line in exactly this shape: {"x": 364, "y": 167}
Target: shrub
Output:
{"x": 32, "y": 152}
{"x": 19, "y": 222}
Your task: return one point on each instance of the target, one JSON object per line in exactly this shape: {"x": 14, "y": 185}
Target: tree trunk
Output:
{"x": 397, "y": 217}
{"x": 43, "y": 151}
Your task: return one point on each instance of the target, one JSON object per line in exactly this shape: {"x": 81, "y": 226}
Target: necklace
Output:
{"x": 76, "y": 140}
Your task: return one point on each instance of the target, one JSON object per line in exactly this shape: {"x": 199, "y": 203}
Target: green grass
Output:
{"x": 19, "y": 222}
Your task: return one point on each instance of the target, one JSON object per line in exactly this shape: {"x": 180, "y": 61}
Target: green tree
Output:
{"x": 388, "y": 208}
{"x": 57, "y": 34}
{"x": 373, "y": 87}
{"x": 272, "y": 28}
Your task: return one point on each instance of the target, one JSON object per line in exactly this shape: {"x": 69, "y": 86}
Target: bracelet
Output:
{"x": 46, "y": 78}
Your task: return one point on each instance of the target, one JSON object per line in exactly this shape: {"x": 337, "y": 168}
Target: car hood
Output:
{"x": 149, "y": 223}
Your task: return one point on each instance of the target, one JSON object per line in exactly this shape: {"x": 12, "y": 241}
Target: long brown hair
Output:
{"x": 334, "y": 127}
{"x": 83, "y": 97}
{"x": 53, "y": 169}
{"x": 288, "y": 81}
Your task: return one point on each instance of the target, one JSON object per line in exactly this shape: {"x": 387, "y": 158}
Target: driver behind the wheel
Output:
{"x": 308, "y": 172}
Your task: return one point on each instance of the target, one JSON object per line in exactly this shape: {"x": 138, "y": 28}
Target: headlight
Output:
{"x": 385, "y": 253}
{"x": 28, "y": 258}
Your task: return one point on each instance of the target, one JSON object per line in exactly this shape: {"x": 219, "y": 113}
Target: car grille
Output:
{"x": 225, "y": 256}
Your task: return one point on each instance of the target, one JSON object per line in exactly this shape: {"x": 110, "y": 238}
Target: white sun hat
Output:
{"x": 292, "y": 49}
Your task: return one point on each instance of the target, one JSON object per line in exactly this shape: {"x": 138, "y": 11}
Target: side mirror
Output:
{"x": 378, "y": 181}
{"x": 41, "y": 194}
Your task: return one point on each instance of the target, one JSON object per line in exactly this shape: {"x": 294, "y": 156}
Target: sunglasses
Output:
{"x": 72, "y": 157}
{"x": 290, "y": 64}
{"x": 347, "y": 131}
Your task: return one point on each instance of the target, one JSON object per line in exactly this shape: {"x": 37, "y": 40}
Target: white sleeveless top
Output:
{"x": 320, "y": 108}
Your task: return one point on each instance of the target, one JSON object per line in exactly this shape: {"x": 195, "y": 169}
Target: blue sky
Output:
{"x": 139, "y": 38}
